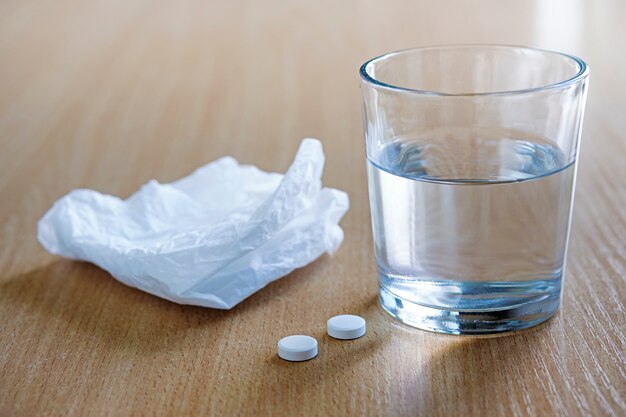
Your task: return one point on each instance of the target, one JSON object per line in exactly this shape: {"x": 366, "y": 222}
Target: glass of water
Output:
{"x": 471, "y": 154}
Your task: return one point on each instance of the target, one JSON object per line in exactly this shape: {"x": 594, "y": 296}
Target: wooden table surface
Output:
{"x": 108, "y": 94}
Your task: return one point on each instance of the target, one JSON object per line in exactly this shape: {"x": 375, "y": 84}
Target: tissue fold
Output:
{"x": 210, "y": 239}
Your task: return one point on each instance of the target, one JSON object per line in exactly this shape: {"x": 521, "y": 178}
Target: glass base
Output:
{"x": 474, "y": 322}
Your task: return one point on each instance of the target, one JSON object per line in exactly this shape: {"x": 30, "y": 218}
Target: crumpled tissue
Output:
{"x": 210, "y": 239}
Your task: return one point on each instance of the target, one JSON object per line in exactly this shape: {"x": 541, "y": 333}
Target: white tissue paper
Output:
{"x": 210, "y": 239}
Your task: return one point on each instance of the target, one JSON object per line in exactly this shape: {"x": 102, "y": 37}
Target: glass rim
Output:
{"x": 581, "y": 75}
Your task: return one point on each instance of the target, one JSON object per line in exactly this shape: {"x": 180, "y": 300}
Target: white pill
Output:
{"x": 346, "y": 327}
{"x": 297, "y": 348}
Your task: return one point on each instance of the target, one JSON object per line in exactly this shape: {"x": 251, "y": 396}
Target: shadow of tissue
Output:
{"x": 87, "y": 300}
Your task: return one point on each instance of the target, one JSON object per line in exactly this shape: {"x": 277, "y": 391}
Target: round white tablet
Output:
{"x": 297, "y": 348}
{"x": 346, "y": 327}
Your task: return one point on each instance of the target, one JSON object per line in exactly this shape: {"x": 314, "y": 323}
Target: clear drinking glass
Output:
{"x": 471, "y": 155}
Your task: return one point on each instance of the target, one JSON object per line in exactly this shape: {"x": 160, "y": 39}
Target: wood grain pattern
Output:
{"x": 107, "y": 94}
